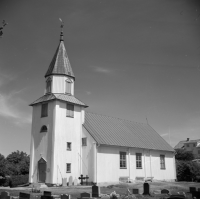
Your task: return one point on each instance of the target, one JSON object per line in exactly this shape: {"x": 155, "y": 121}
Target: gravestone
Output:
{"x": 75, "y": 182}
{"x": 135, "y": 191}
{"x": 95, "y": 191}
{"x": 5, "y": 195}
{"x": 24, "y": 195}
{"x": 198, "y": 189}
{"x": 65, "y": 196}
{"x": 81, "y": 178}
{"x": 177, "y": 196}
{"x": 86, "y": 177}
{"x": 85, "y": 195}
{"x": 164, "y": 191}
{"x": 192, "y": 189}
{"x": 146, "y": 188}
{"x": 64, "y": 182}
{"x": 196, "y": 194}
{"x": 70, "y": 181}
{"x": 47, "y": 193}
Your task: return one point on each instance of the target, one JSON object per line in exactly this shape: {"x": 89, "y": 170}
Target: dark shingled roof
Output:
{"x": 60, "y": 64}
{"x": 62, "y": 97}
{"x": 108, "y": 130}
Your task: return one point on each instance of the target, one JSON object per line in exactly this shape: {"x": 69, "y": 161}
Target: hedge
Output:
{"x": 14, "y": 181}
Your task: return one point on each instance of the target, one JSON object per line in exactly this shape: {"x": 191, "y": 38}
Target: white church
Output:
{"x": 67, "y": 141}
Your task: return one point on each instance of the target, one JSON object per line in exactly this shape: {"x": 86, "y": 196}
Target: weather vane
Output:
{"x": 61, "y": 34}
{"x": 2, "y": 27}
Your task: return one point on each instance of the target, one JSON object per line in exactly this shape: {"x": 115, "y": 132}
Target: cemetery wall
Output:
{"x": 41, "y": 143}
{"x": 67, "y": 130}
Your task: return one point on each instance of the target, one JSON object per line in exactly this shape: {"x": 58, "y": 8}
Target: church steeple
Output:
{"x": 60, "y": 64}
{"x": 59, "y": 76}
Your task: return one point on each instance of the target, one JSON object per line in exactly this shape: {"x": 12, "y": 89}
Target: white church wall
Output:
{"x": 88, "y": 156}
{"x": 67, "y": 130}
{"x": 58, "y": 83}
{"x": 108, "y": 169}
{"x": 41, "y": 142}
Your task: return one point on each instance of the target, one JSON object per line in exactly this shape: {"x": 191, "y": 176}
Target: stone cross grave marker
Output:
{"x": 85, "y": 195}
{"x": 135, "y": 191}
{"x": 192, "y": 189}
{"x": 75, "y": 182}
{"x": 95, "y": 191}
{"x": 164, "y": 191}
{"x": 5, "y": 195}
{"x": 64, "y": 182}
{"x": 146, "y": 188}
{"x": 70, "y": 181}
{"x": 24, "y": 195}
{"x": 65, "y": 196}
{"x": 81, "y": 178}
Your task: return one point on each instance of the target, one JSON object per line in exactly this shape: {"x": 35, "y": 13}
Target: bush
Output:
{"x": 18, "y": 180}
{"x": 5, "y": 181}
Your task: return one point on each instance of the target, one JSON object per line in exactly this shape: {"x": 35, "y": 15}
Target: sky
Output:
{"x": 133, "y": 59}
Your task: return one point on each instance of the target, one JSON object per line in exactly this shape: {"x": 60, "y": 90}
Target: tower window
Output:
{"x": 122, "y": 160}
{"x": 70, "y": 110}
{"x": 43, "y": 129}
{"x": 48, "y": 85}
{"x": 138, "y": 161}
{"x": 68, "y": 168}
{"x": 44, "y": 110}
{"x": 68, "y": 86}
{"x": 69, "y": 146}
{"x": 84, "y": 141}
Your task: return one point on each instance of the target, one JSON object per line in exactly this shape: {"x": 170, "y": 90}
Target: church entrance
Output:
{"x": 42, "y": 165}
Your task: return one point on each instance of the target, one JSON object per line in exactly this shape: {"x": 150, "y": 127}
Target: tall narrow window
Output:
{"x": 84, "y": 141}
{"x": 162, "y": 161}
{"x": 70, "y": 110}
{"x": 122, "y": 161}
{"x": 69, "y": 146}
{"x": 68, "y": 88}
{"x": 44, "y": 110}
{"x": 48, "y": 85}
{"x": 68, "y": 168}
{"x": 138, "y": 161}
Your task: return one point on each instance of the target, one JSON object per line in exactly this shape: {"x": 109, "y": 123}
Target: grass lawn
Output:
{"x": 121, "y": 189}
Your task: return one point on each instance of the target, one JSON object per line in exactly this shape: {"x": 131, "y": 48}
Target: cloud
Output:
{"x": 11, "y": 107}
{"x": 101, "y": 70}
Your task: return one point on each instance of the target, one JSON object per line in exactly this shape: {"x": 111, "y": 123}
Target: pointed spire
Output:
{"x": 60, "y": 64}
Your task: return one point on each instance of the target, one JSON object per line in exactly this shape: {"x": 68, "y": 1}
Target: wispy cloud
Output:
{"x": 101, "y": 70}
{"x": 11, "y": 107}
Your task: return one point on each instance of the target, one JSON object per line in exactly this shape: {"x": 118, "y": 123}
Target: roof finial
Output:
{"x": 61, "y": 33}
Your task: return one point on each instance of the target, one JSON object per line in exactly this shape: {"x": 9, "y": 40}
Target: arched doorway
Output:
{"x": 42, "y": 166}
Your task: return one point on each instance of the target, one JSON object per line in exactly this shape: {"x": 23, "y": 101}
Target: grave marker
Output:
{"x": 75, "y": 182}
{"x": 146, "y": 188}
{"x": 5, "y": 195}
{"x": 70, "y": 181}
{"x": 192, "y": 189}
{"x": 65, "y": 196}
{"x": 86, "y": 177}
{"x": 164, "y": 191}
{"x": 81, "y": 178}
{"x": 46, "y": 195}
{"x": 85, "y": 195}
{"x": 24, "y": 195}
{"x": 95, "y": 191}
{"x": 64, "y": 182}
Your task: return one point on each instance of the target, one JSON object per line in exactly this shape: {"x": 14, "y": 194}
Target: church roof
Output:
{"x": 62, "y": 97}
{"x": 60, "y": 64}
{"x": 108, "y": 130}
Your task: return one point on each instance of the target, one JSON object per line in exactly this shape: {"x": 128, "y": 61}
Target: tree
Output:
{"x": 17, "y": 163}
{"x": 2, "y": 166}
{"x": 182, "y": 154}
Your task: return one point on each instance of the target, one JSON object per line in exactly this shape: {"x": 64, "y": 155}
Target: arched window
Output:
{"x": 43, "y": 129}
{"x": 68, "y": 86}
{"x": 48, "y": 85}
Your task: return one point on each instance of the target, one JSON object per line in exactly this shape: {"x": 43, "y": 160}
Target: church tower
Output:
{"x": 57, "y": 118}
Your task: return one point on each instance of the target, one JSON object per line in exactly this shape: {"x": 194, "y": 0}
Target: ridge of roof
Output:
{"x": 60, "y": 64}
